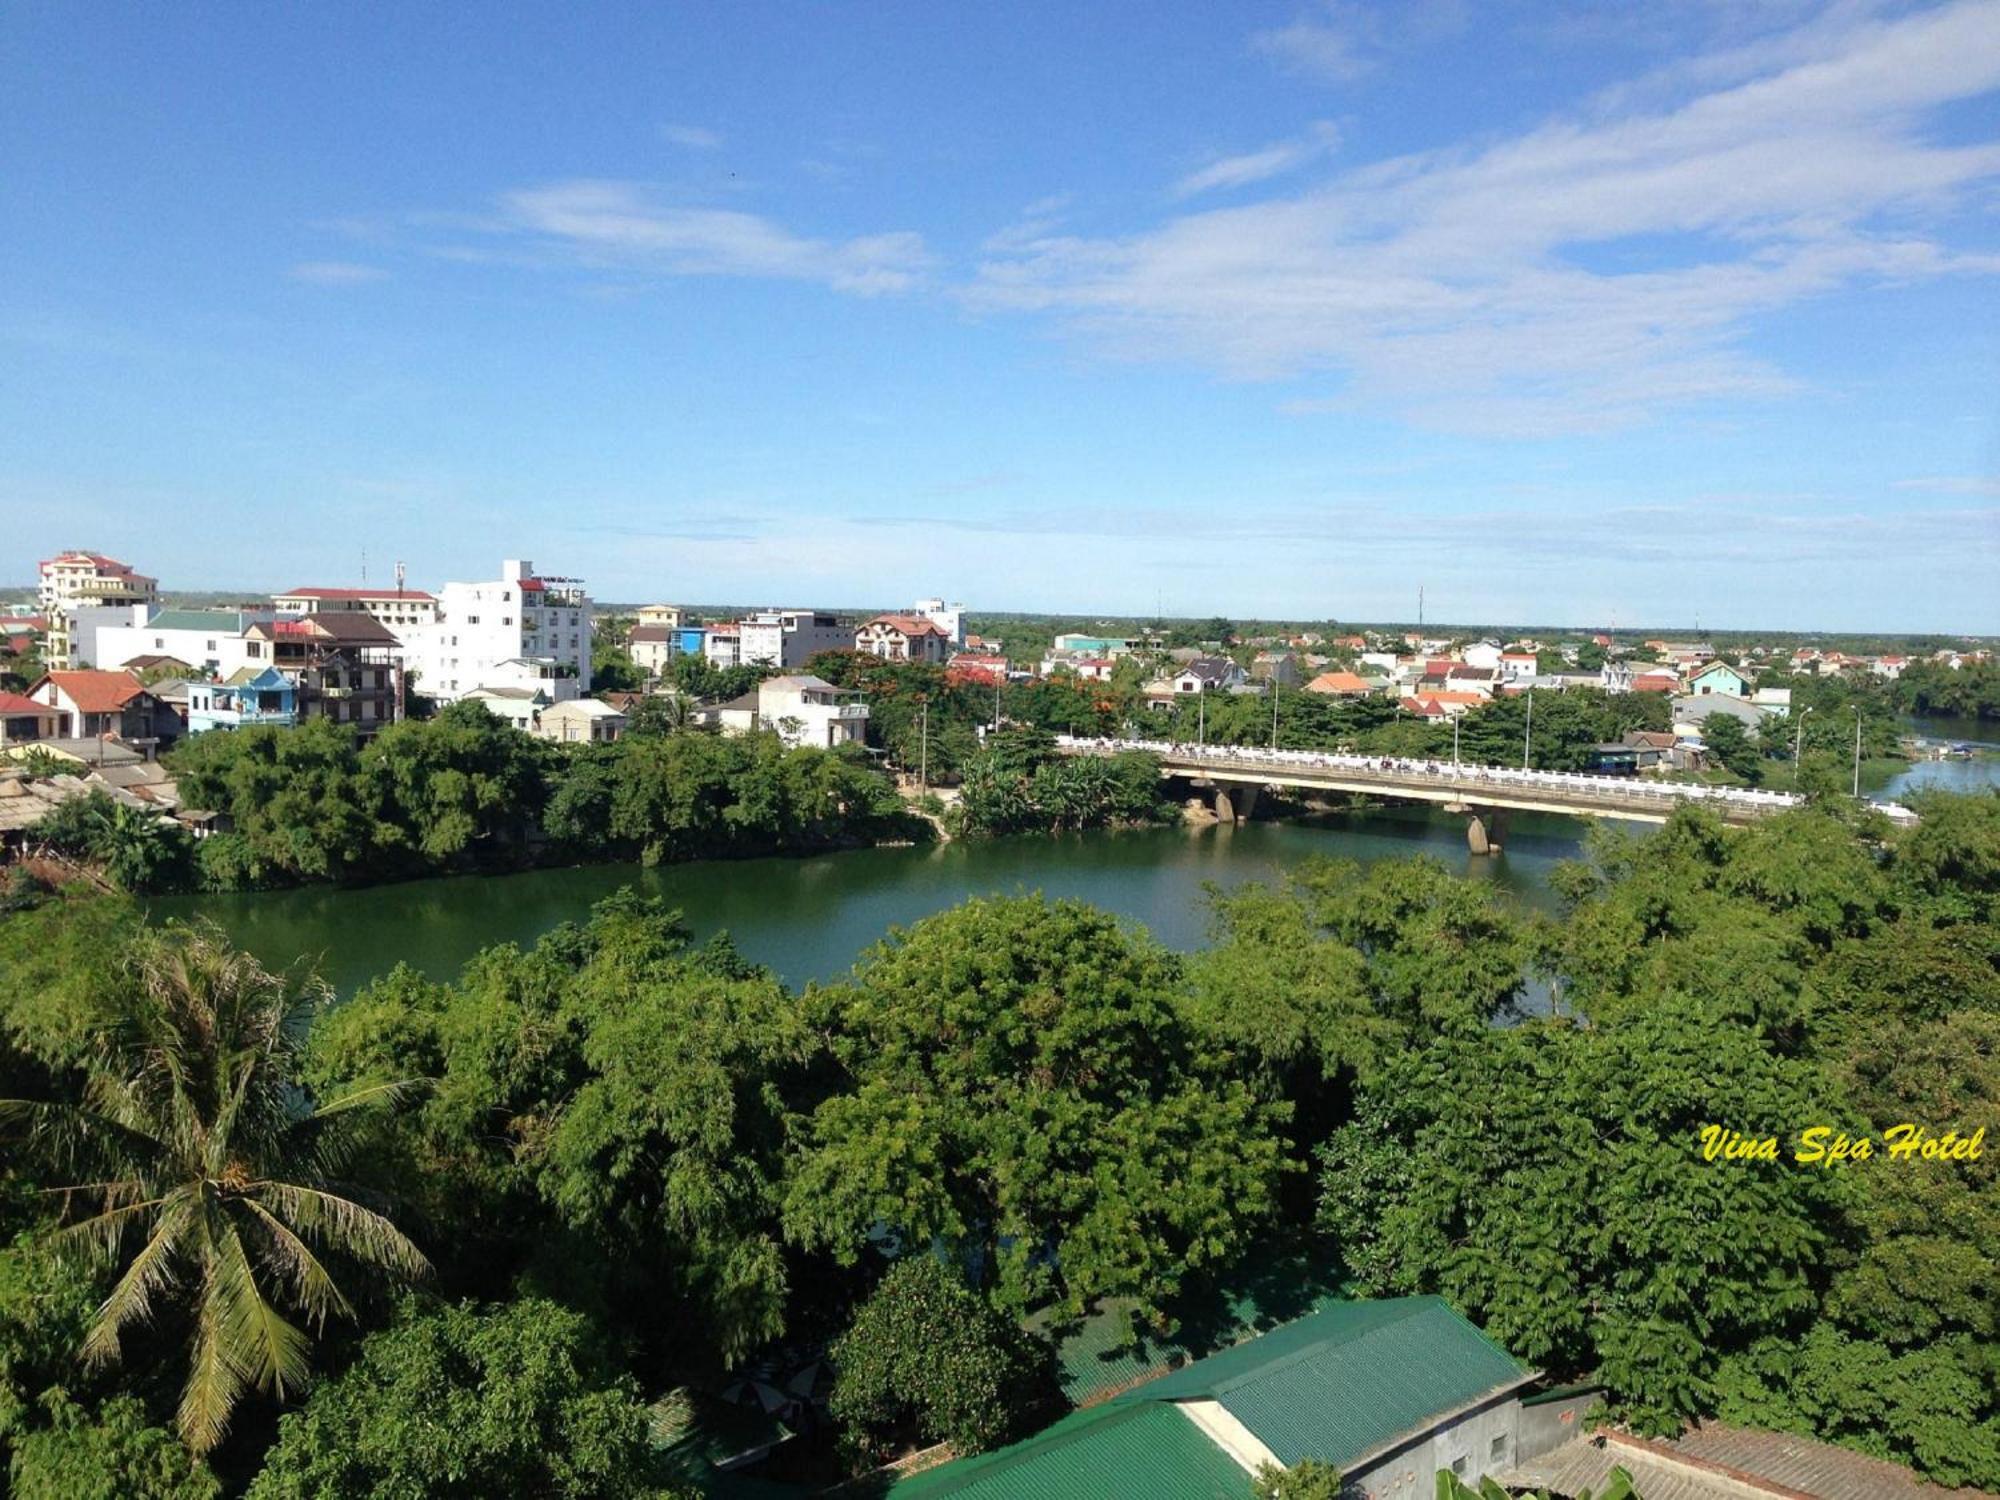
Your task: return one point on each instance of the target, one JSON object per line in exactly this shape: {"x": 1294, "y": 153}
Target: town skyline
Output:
{"x": 1691, "y": 312}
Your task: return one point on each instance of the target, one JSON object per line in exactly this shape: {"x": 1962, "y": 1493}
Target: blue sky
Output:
{"x": 1569, "y": 311}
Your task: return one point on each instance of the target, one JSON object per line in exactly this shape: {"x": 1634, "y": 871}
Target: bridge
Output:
{"x": 1236, "y": 774}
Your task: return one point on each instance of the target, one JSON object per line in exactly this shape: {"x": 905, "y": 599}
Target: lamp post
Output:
{"x": 1528, "y": 739}
{"x": 1274, "y": 708}
{"x": 1454, "y": 741}
{"x": 1798, "y": 739}
{"x": 1201, "y": 715}
{"x": 1857, "y": 750}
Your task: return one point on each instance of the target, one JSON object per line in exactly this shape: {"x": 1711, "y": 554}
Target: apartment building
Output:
{"x": 787, "y": 638}
{"x": 521, "y": 616}
{"x": 397, "y": 608}
{"x": 78, "y": 580}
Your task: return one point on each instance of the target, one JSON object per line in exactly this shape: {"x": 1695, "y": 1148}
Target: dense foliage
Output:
{"x": 927, "y": 1360}
{"x": 465, "y": 790}
{"x": 1018, "y": 782}
{"x": 640, "y": 1163}
{"x": 464, "y": 1403}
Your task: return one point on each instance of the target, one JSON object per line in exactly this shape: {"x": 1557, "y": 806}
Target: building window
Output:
{"x": 1458, "y": 1465}
{"x": 1499, "y": 1449}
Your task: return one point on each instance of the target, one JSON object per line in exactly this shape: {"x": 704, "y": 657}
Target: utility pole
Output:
{"x": 1857, "y": 750}
{"x": 1201, "y": 716}
{"x": 1274, "y": 708}
{"x": 1454, "y": 739}
{"x": 924, "y": 747}
{"x": 1528, "y": 740}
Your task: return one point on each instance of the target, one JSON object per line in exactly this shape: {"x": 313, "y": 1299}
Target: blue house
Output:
{"x": 691, "y": 639}
{"x": 249, "y": 696}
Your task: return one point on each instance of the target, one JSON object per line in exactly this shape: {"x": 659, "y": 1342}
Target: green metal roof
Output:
{"x": 227, "y": 621}
{"x": 1148, "y": 1451}
{"x": 1347, "y": 1379}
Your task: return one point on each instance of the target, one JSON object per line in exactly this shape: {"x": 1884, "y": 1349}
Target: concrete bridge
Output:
{"x": 1236, "y": 774}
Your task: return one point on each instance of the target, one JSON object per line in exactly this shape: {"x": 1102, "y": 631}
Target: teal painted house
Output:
{"x": 1718, "y": 677}
{"x": 250, "y": 696}
{"x": 1389, "y": 1392}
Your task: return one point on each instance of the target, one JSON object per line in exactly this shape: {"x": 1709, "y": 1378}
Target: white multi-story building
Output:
{"x": 519, "y": 626}
{"x": 78, "y": 580}
{"x": 950, "y": 618}
{"x": 787, "y": 638}
{"x": 803, "y": 711}
{"x": 396, "y": 608}
{"x": 209, "y": 642}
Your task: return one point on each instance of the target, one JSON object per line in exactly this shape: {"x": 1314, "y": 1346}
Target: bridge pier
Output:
{"x": 1235, "y": 801}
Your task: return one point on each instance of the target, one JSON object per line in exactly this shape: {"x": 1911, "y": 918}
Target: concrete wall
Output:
{"x": 1486, "y": 1439}
{"x": 1549, "y": 1424}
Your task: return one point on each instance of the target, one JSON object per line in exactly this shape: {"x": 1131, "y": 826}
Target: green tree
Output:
{"x": 613, "y": 1099}
{"x": 927, "y": 1360}
{"x": 192, "y": 1140}
{"x": 1730, "y": 746}
{"x": 471, "y": 1402}
{"x": 112, "y": 1453}
{"x": 1021, "y": 1089}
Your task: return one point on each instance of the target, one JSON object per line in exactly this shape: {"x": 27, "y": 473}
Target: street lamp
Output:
{"x": 1857, "y": 749}
{"x": 1798, "y": 739}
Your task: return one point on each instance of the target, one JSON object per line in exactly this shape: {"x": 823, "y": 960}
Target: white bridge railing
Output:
{"x": 1392, "y": 773}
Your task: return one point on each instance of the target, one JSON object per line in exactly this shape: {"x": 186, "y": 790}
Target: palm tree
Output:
{"x": 193, "y": 1140}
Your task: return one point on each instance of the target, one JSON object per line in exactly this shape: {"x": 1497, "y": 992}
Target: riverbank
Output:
{"x": 810, "y": 917}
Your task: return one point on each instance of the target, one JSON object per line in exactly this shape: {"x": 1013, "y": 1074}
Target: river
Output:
{"x": 809, "y": 919}
{"x": 1980, "y": 771}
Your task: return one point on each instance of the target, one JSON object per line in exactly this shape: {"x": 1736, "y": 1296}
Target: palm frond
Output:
{"x": 311, "y": 1287}
{"x": 214, "y": 1383}
{"x": 267, "y": 1351}
{"x": 346, "y": 1225}
{"x": 151, "y": 1272}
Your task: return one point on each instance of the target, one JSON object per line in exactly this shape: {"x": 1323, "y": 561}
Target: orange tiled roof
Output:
{"x": 96, "y": 692}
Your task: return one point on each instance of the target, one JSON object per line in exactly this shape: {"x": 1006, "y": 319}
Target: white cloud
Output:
{"x": 694, "y": 137}
{"x": 1577, "y": 276}
{"x": 1316, "y": 45}
{"x": 335, "y": 272}
{"x": 1954, "y": 484}
{"x": 609, "y": 224}
{"x": 1261, "y": 165}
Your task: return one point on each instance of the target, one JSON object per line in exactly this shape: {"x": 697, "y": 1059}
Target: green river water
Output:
{"x": 809, "y": 919}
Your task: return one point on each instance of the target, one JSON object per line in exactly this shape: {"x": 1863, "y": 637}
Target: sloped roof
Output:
{"x": 1712, "y": 1462}
{"x": 659, "y": 634}
{"x": 1337, "y": 682}
{"x": 907, "y": 624}
{"x": 95, "y": 692}
{"x": 222, "y": 621}
{"x": 1347, "y": 1380}
{"x": 20, "y": 703}
{"x": 1144, "y": 1452}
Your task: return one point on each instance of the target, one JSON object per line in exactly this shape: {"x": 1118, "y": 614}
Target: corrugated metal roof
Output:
{"x": 1343, "y": 1381}
{"x": 1143, "y": 1452}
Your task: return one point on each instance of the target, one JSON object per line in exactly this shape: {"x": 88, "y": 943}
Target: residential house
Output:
{"x": 1281, "y": 667}
{"x": 970, "y": 666}
{"x": 1092, "y": 645}
{"x": 1441, "y": 703}
{"x": 1691, "y": 714}
{"x": 397, "y": 608}
{"x": 653, "y": 647}
{"x": 1208, "y": 674}
{"x": 251, "y": 695}
{"x": 1483, "y": 654}
{"x": 79, "y": 580}
{"x": 722, "y": 646}
{"x": 210, "y": 642}
{"x": 786, "y": 638}
{"x": 1890, "y": 667}
{"x": 1716, "y": 677}
{"x": 1339, "y": 685}
{"x": 903, "y": 638}
{"x": 96, "y": 705}
{"x": 1654, "y": 682}
{"x": 1387, "y": 1393}
{"x": 347, "y": 666}
{"x": 1654, "y": 748}
{"x": 24, "y": 720}
{"x": 1514, "y": 665}
{"x": 520, "y": 616}
{"x": 802, "y": 710}
{"x": 580, "y": 721}
{"x": 667, "y": 616}
{"x": 519, "y": 706}
{"x": 1773, "y": 700}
